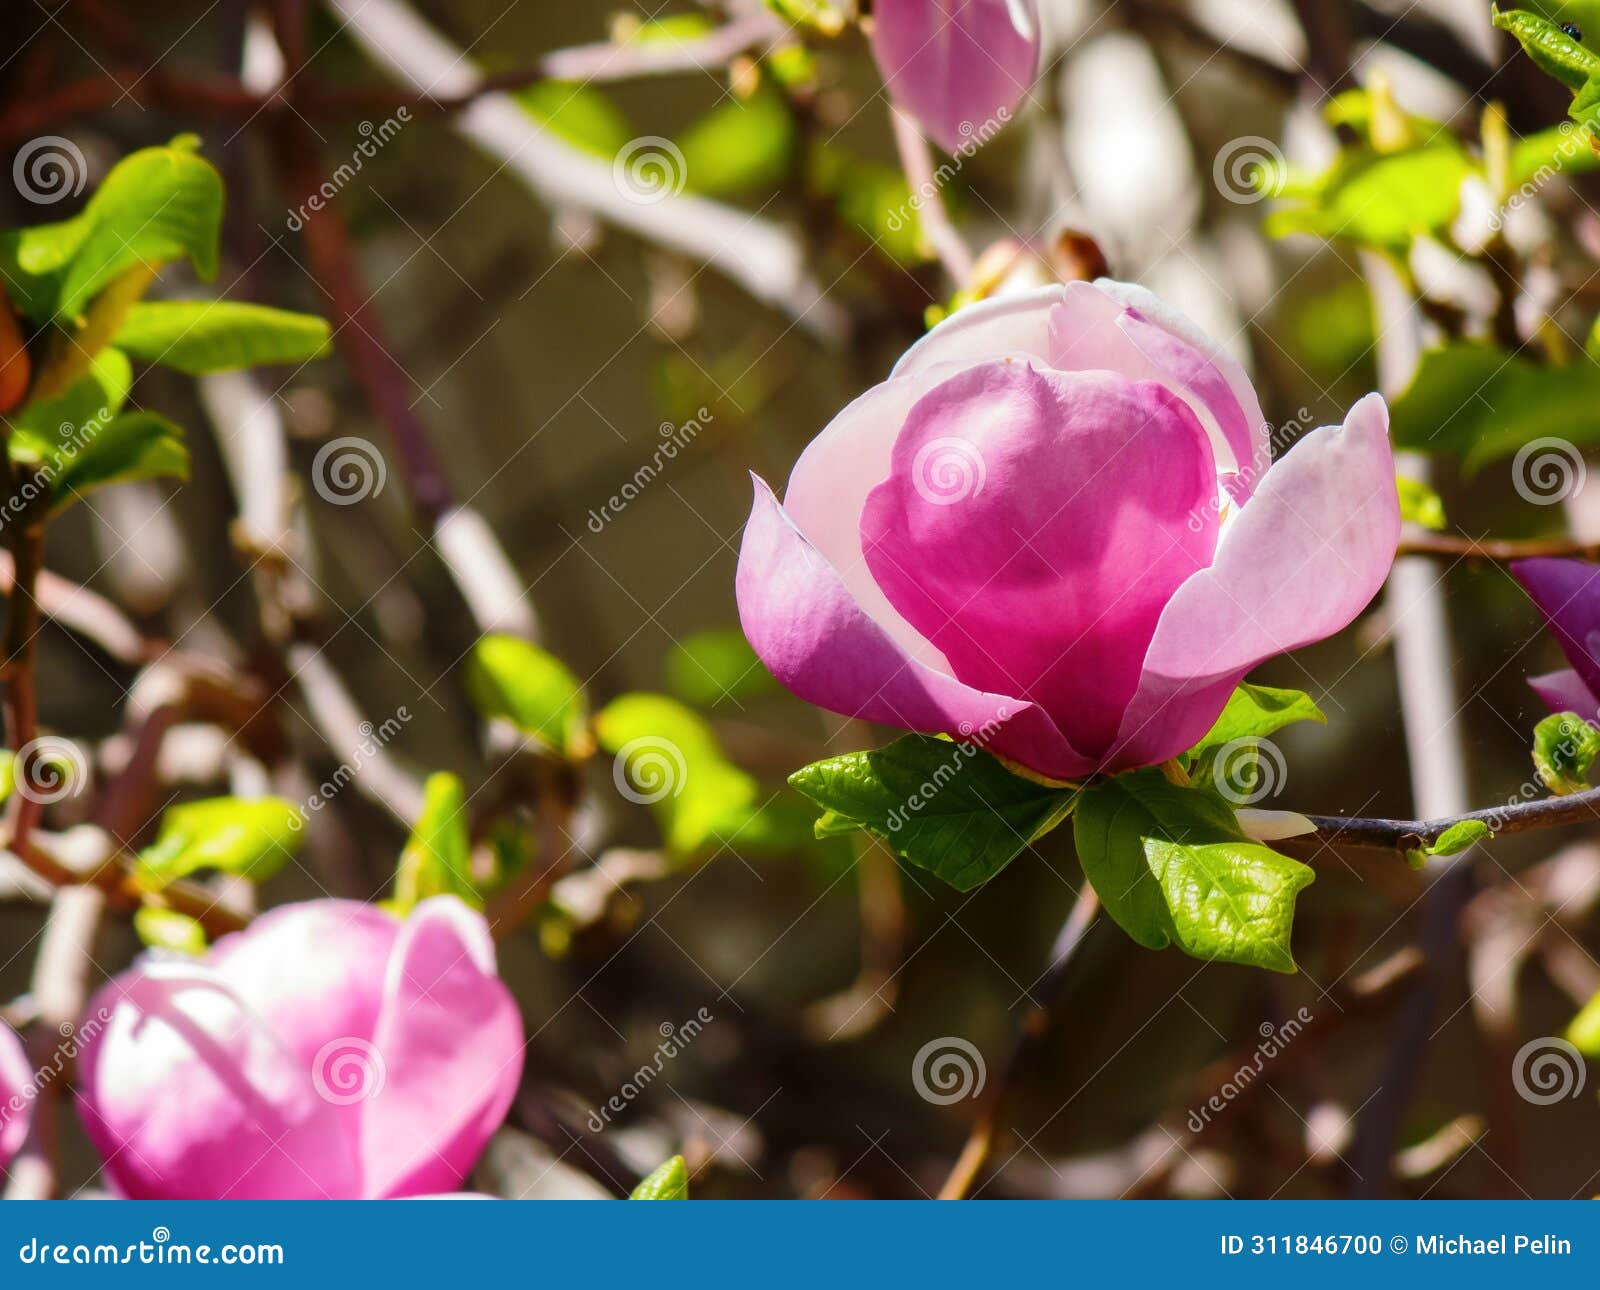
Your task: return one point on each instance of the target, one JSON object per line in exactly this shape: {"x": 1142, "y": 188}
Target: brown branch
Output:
{"x": 1499, "y": 550}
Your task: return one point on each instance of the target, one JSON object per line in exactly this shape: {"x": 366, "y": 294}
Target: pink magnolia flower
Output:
{"x": 1567, "y": 593}
{"x": 958, "y": 66}
{"x": 1057, "y": 530}
{"x": 328, "y": 1050}
{"x": 16, "y": 1094}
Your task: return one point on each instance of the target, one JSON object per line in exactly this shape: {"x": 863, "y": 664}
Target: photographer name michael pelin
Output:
{"x": 1439, "y": 1243}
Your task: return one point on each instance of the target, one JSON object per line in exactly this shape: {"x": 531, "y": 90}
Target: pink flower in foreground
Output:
{"x": 1567, "y": 593}
{"x": 329, "y": 1050}
{"x": 1054, "y": 530}
{"x": 16, "y": 1101}
{"x": 958, "y": 66}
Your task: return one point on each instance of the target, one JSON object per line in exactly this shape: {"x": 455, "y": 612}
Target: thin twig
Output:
{"x": 1499, "y": 550}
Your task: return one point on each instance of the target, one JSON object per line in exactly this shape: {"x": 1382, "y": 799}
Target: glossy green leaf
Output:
{"x": 668, "y": 758}
{"x": 134, "y": 445}
{"x": 1171, "y": 867}
{"x": 250, "y": 837}
{"x": 1453, "y": 841}
{"x": 1570, "y": 61}
{"x": 669, "y": 1182}
{"x": 949, "y": 808}
{"x": 1563, "y": 149}
{"x": 1483, "y": 404}
{"x": 716, "y": 666}
{"x": 200, "y": 336}
{"x": 1564, "y": 750}
{"x": 1419, "y": 504}
{"x": 1376, "y": 199}
{"x": 47, "y": 432}
{"x": 1255, "y": 711}
{"x": 167, "y": 929}
{"x": 437, "y": 857}
{"x": 536, "y": 692}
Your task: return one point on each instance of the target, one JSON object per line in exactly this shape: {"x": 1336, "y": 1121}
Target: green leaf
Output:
{"x": 578, "y": 113}
{"x": 1483, "y": 403}
{"x": 536, "y": 692}
{"x": 717, "y": 666}
{"x": 252, "y": 837}
{"x": 1171, "y": 867}
{"x": 874, "y": 199}
{"x": 134, "y": 445}
{"x": 437, "y": 857}
{"x": 1563, "y": 149}
{"x": 157, "y": 205}
{"x": 1377, "y": 199}
{"x": 1419, "y": 504}
{"x": 1564, "y": 750}
{"x": 667, "y": 758}
{"x": 200, "y": 336}
{"x": 167, "y": 929}
{"x": 740, "y": 146}
{"x": 1568, "y": 60}
{"x": 1583, "y": 1031}
{"x": 48, "y": 432}
{"x": 669, "y": 1182}
{"x": 946, "y": 807}
{"x": 1453, "y": 841}
{"x": 1255, "y": 711}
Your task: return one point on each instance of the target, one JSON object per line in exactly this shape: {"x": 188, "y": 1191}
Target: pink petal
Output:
{"x": 958, "y": 66}
{"x": 1092, "y": 328}
{"x": 187, "y": 1094}
{"x": 16, "y": 1102}
{"x": 818, "y": 641}
{"x": 1565, "y": 692}
{"x": 1014, "y": 324}
{"x": 1567, "y": 593}
{"x": 1303, "y": 557}
{"x": 1034, "y": 525}
{"x": 450, "y": 1040}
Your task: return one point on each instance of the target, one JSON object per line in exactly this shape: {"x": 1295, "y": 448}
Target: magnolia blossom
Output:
{"x": 16, "y": 1094}
{"x": 329, "y": 1050}
{"x": 1567, "y": 593}
{"x": 1057, "y": 530}
{"x": 958, "y": 66}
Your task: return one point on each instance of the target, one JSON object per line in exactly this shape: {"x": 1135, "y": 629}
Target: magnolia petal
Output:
{"x": 1565, "y": 691}
{"x": 1272, "y": 826}
{"x": 958, "y": 66}
{"x": 813, "y": 637}
{"x": 16, "y": 1094}
{"x": 1567, "y": 593}
{"x": 1303, "y": 557}
{"x": 1014, "y": 324}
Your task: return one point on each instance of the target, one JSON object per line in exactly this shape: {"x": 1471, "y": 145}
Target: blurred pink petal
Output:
{"x": 16, "y": 1094}
{"x": 1565, "y": 691}
{"x": 1567, "y": 593}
